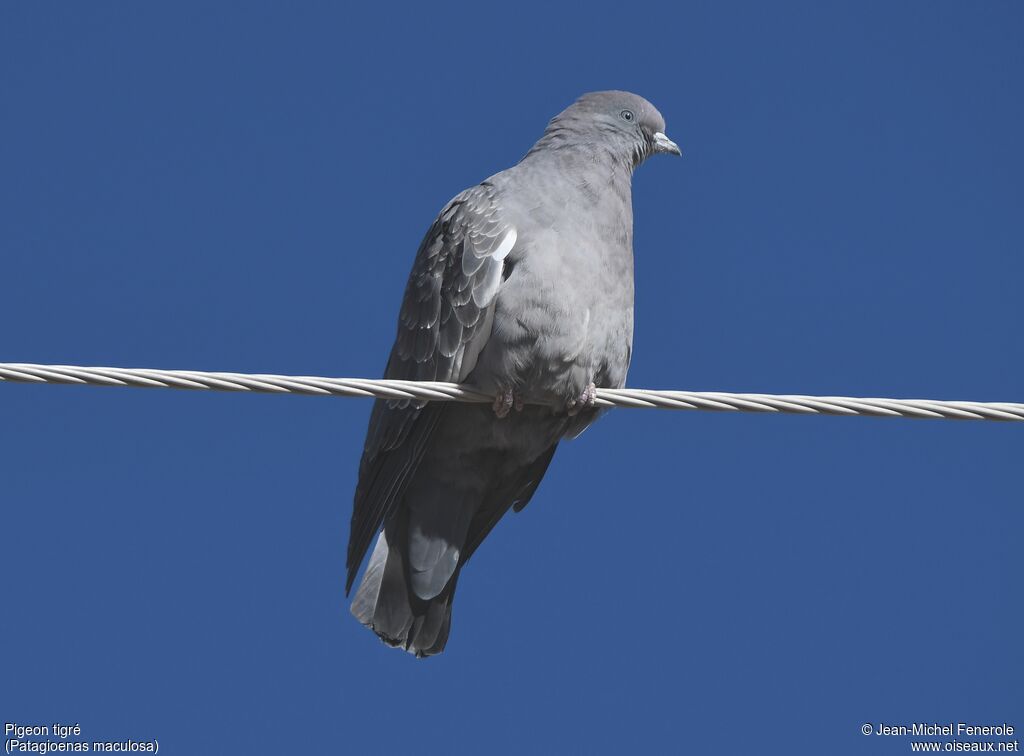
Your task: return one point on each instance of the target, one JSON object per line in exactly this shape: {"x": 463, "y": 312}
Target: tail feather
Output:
{"x": 385, "y": 603}
{"x": 454, "y": 501}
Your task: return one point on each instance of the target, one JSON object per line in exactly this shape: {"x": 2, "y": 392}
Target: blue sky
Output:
{"x": 243, "y": 186}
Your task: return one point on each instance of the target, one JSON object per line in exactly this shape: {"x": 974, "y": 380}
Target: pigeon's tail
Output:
{"x": 386, "y": 605}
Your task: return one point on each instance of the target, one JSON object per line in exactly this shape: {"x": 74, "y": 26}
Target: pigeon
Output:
{"x": 522, "y": 289}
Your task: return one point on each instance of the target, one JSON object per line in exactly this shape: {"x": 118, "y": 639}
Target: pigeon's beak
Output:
{"x": 663, "y": 144}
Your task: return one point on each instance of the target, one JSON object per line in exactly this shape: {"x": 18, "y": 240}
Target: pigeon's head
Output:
{"x": 622, "y": 122}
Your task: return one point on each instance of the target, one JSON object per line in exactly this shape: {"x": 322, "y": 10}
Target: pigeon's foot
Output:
{"x": 505, "y": 401}
{"x": 587, "y": 399}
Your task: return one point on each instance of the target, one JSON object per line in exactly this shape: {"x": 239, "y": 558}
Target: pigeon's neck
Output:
{"x": 602, "y": 175}
{"x": 563, "y": 145}
{"x": 578, "y": 187}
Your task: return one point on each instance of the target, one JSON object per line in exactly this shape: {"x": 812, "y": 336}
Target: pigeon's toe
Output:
{"x": 504, "y": 402}
{"x": 586, "y": 400}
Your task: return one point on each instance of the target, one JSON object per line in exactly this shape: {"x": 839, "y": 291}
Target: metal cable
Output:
{"x": 448, "y": 392}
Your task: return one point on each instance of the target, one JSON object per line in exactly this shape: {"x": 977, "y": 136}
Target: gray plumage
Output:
{"x": 522, "y": 287}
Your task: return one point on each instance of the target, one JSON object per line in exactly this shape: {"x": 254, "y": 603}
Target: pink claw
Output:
{"x": 503, "y": 402}
{"x": 586, "y": 400}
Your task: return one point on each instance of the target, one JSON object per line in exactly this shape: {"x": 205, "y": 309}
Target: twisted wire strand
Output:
{"x": 717, "y": 401}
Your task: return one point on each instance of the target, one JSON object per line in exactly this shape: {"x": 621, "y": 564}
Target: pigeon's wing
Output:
{"x": 446, "y": 318}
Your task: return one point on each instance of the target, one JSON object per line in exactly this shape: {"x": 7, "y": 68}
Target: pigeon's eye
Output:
{"x": 626, "y": 115}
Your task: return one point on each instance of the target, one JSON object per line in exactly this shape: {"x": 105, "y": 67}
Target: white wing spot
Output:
{"x": 506, "y": 245}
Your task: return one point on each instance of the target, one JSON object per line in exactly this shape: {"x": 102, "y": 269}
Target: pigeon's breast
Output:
{"x": 563, "y": 316}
